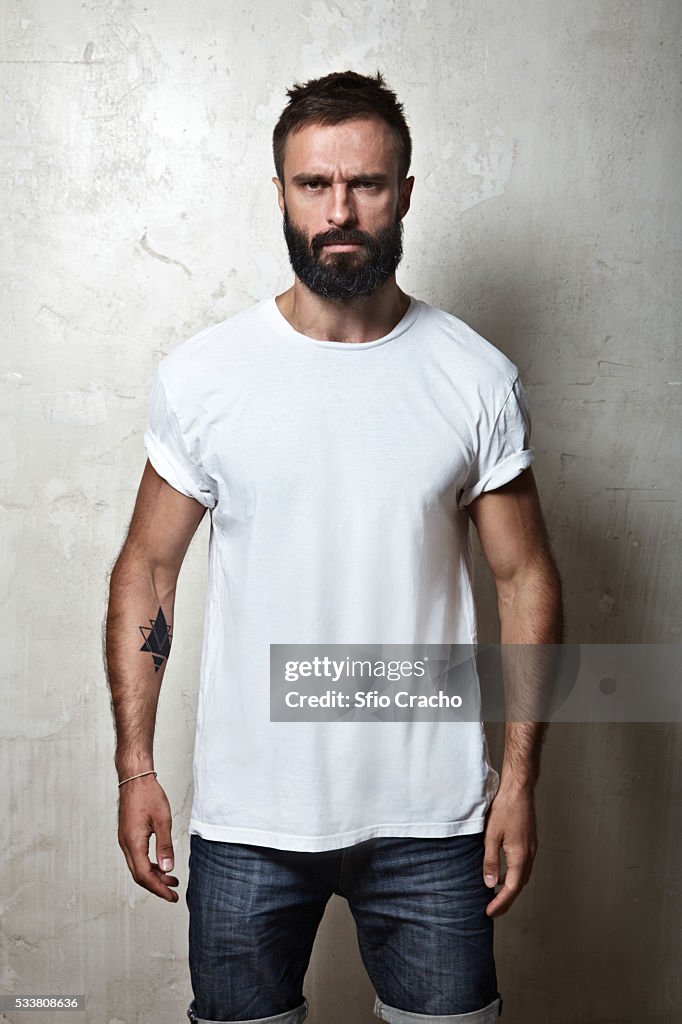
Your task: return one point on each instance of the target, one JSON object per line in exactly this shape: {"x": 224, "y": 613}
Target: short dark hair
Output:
{"x": 339, "y": 97}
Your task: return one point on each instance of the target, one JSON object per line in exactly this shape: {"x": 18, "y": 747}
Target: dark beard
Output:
{"x": 344, "y": 275}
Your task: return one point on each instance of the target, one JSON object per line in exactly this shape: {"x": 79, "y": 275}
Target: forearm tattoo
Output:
{"x": 157, "y": 639}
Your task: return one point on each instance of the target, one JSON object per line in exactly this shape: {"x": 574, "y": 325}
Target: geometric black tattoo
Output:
{"x": 157, "y": 639}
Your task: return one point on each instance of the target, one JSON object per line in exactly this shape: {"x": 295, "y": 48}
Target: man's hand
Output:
{"x": 510, "y": 823}
{"x": 144, "y": 810}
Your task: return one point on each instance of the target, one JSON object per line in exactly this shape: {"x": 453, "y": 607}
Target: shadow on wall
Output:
{"x": 595, "y": 927}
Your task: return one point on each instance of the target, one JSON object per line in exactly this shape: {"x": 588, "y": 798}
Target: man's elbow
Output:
{"x": 134, "y": 570}
{"x": 533, "y": 589}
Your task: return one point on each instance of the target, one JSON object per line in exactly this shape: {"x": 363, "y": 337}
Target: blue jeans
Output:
{"x": 419, "y": 909}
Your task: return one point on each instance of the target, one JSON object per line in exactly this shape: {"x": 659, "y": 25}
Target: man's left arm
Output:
{"x": 517, "y": 548}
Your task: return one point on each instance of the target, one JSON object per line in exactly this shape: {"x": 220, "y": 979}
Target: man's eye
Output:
{"x": 314, "y": 186}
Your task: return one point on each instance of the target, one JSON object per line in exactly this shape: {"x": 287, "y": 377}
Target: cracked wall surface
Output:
{"x": 135, "y": 166}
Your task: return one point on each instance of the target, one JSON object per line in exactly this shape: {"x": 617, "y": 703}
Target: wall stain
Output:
{"x": 158, "y": 256}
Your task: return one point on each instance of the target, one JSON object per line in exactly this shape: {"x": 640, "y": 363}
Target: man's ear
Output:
{"x": 405, "y": 194}
{"x": 280, "y": 193}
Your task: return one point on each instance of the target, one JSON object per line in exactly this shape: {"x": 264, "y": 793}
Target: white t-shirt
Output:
{"x": 337, "y": 475}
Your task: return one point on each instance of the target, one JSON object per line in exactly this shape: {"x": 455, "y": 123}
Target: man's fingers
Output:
{"x": 512, "y": 884}
{"x": 510, "y": 826}
{"x": 150, "y": 876}
{"x": 145, "y": 812}
{"x": 171, "y": 880}
{"x": 152, "y": 881}
{"x": 491, "y": 861}
{"x": 164, "y": 843}
{"x": 502, "y": 902}
{"x": 164, "y": 876}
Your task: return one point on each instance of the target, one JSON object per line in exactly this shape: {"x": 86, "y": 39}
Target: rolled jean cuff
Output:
{"x": 295, "y": 1016}
{"x": 487, "y": 1015}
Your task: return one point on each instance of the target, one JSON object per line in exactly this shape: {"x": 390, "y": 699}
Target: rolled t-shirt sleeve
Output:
{"x": 169, "y": 452}
{"x": 505, "y": 451}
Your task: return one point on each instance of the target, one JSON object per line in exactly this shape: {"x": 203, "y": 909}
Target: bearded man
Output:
{"x": 343, "y": 435}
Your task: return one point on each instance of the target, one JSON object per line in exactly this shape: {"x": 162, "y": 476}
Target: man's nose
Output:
{"x": 341, "y": 210}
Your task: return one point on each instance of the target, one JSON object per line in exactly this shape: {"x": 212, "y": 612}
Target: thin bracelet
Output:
{"x": 140, "y": 776}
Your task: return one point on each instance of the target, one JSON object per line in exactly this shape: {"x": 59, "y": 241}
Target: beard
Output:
{"x": 344, "y": 275}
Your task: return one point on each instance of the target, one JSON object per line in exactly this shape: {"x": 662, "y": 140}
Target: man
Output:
{"x": 342, "y": 434}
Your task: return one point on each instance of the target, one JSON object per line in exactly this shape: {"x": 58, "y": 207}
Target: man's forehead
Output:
{"x": 359, "y": 144}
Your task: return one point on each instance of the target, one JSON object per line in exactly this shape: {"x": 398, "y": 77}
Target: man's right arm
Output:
{"x": 138, "y": 637}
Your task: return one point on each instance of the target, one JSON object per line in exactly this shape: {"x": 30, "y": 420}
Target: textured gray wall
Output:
{"x": 137, "y": 209}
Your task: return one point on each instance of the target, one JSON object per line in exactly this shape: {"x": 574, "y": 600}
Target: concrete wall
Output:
{"x": 138, "y": 208}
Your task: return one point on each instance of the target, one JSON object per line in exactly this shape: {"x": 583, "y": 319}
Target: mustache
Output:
{"x": 335, "y": 238}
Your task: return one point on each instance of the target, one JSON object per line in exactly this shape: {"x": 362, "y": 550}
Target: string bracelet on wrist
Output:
{"x": 140, "y": 776}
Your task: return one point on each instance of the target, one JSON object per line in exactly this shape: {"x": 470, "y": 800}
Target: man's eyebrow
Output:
{"x": 298, "y": 179}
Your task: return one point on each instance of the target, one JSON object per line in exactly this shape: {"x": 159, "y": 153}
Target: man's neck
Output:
{"x": 365, "y": 318}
